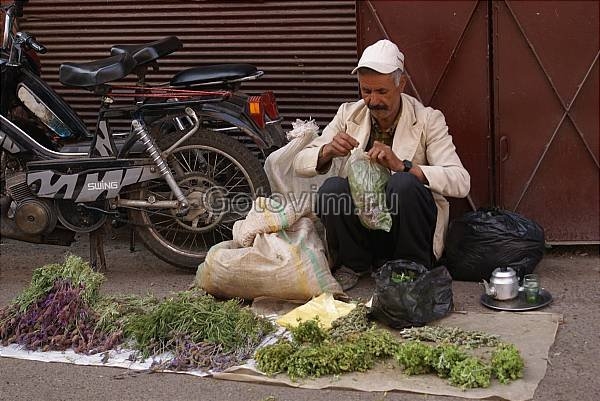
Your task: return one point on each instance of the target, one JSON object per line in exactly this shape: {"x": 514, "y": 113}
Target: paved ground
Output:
{"x": 571, "y": 275}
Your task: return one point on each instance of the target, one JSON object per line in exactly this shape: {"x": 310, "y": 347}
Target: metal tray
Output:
{"x": 518, "y": 304}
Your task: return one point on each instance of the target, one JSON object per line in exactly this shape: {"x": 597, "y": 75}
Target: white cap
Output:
{"x": 382, "y": 56}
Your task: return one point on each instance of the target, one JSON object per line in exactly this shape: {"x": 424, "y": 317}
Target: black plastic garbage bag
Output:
{"x": 488, "y": 238}
{"x": 407, "y": 294}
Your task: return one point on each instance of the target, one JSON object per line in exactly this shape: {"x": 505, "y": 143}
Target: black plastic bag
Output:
{"x": 427, "y": 296}
{"x": 485, "y": 239}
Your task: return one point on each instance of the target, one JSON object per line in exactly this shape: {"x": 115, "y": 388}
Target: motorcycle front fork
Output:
{"x": 159, "y": 159}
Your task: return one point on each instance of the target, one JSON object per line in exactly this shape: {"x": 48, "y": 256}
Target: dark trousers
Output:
{"x": 350, "y": 244}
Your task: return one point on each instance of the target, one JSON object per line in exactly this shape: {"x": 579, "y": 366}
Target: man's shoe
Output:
{"x": 346, "y": 277}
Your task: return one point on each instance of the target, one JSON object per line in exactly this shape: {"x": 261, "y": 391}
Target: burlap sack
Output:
{"x": 279, "y": 167}
{"x": 276, "y": 252}
{"x": 267, "y": 216}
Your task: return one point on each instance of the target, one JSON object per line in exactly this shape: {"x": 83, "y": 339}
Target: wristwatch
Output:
{"x": 407, "y": 165}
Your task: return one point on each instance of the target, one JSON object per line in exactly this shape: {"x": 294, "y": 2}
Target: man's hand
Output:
{"x": 340, "y": 145}
{"x": 384, "y": 155}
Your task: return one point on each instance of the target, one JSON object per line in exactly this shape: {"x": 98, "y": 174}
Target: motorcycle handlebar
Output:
{"x": 35, "y": 45}
{"x": 23, "y": 38}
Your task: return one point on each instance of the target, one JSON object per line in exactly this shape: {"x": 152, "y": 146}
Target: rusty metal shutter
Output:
{"x": 306, "y": 48}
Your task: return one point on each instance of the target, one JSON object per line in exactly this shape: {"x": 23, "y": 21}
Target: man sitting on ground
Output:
{"x": 409, "y": 139}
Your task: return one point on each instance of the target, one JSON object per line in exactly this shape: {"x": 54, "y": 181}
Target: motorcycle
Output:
{"x": 180, "y": 176}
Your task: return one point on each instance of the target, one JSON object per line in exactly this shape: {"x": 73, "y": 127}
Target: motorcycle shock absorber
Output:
{"x": 140, "y": 130}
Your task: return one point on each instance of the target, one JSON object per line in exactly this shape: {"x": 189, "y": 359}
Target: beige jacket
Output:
{"x": 421, "y": 136}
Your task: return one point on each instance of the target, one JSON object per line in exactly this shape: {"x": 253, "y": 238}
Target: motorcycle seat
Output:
{"x": 149, "y": 52}
{"x": 96, "y": 72}
{"x": 215, "y": 74}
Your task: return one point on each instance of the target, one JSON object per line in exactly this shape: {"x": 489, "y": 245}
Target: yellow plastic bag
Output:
{"x": 323, "y": 306}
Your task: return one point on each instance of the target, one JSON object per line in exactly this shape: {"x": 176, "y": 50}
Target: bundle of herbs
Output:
{"x": 354, "y": 344}
{"x": 62, "y": 308}
{"x": 313, "y": 351}
{"x": 198, "y": 330}
{"x": 451, "y": 335}
{"x": 55, "y": 311}
{"x": 447, "y": 360}
{"x": 351, "y": 325}
{"x": 115, "y": 311}
{"x": 448, "y": 356}
{"x": 507, "y": 364}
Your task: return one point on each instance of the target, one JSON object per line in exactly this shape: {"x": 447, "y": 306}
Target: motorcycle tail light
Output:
{"x": 270, "y": 105}
{"x": 257, "y": 110}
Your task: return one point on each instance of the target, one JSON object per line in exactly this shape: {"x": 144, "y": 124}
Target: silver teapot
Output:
{"x": 504, "y": 284}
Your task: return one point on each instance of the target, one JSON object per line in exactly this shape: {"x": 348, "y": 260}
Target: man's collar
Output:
{"x": 408, "y": 109}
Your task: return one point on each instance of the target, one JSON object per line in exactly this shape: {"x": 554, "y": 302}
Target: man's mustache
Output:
{"x": 377, "y": 107}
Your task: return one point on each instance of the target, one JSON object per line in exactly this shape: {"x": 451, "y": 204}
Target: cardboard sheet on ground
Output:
{"x": 532, "y": 332}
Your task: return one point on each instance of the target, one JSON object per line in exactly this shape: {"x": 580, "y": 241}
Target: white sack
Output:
{"x": 279, "y": 167}
{"x": 276, "y": 252}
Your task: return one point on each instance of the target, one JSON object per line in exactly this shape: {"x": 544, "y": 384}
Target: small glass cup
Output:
{"x": 531, "y": 286}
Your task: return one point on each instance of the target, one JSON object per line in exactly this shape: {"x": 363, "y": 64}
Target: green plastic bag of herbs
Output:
{"x": 367, "y": 181}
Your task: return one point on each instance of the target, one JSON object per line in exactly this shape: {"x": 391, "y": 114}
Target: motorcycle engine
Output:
{"x": 31, "y": 215}
{"x": 35, "y": 216}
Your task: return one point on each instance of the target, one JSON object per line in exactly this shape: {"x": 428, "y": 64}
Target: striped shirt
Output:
{"x": 377, "y": 134}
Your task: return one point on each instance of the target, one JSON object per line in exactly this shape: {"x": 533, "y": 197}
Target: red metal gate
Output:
{"x": 445, "y": 44}
{"x": 519, "y": 78}
{"x": 546, "y": 115}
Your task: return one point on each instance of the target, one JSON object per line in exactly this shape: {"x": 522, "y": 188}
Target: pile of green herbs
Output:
{"x": 74, "y": 269}
{"x": 55, "y": 312}
{"x": 312, "y": 353}
{"x": 62, "y": 308}
{"x": 462, "y": 369}
{"x": 403, "y": 277}
{"x": 452, "y": 335}
{"x": 199, "y": 330}
{"x": 355, "y": 344}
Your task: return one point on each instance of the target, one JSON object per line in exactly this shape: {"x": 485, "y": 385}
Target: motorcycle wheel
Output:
{"x": 221, "y": 178}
